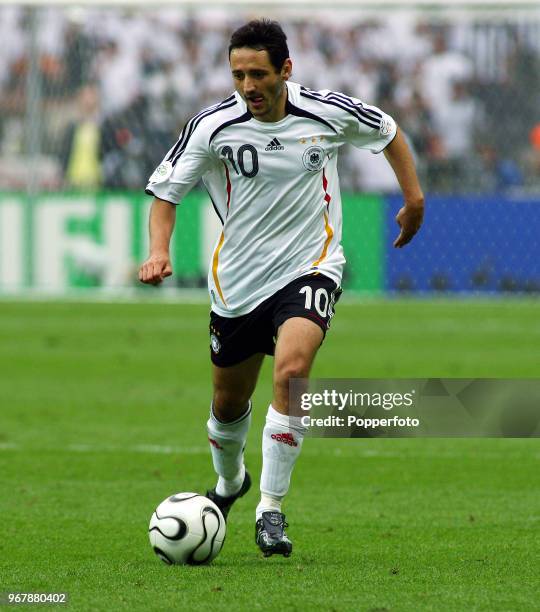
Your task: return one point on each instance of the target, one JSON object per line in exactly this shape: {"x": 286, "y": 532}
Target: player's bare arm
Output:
{"x": 410, "y": 216}
{"x": 158, "y": 265}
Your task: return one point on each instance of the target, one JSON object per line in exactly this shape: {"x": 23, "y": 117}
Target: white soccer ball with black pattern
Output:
{"x": 187, "y": 528}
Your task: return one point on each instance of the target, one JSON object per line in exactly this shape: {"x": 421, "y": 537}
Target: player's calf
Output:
{"x": 227, "y": 442}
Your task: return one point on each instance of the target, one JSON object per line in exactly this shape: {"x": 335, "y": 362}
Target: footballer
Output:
{"x": 267, "y": 155}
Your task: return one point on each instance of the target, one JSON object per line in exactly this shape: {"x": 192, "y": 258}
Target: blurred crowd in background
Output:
{"x": 97, "y": 96}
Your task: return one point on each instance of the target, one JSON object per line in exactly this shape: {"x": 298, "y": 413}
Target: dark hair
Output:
{"x": 262, "y": 34}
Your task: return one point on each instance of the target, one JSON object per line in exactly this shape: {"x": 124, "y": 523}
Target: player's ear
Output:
{"x": 286, "y": 69}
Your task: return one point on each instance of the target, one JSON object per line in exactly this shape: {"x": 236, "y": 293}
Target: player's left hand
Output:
{"x": 409, "y": 218}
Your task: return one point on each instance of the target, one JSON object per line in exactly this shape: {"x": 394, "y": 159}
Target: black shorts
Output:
{"x": 233, "y": 340}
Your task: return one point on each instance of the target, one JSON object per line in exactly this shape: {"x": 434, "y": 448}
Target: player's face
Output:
{"x": 257, "y": 81}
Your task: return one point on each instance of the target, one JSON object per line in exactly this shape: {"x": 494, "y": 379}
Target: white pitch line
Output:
{"x": 169, "y": 450}
{"x": 8, "y": 446}
{"x": 110, "y": 448}
{"x": 139, "y": 448}
{"x": 157, "y": 449}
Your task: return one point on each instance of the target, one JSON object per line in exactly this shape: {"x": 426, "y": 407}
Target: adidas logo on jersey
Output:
{"x": 274, "y": 145}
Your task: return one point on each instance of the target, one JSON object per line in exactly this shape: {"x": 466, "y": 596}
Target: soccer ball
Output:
{"x": 187, "y": 528}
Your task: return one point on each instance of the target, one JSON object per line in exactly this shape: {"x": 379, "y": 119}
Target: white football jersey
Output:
{"x": 274, "y": 186}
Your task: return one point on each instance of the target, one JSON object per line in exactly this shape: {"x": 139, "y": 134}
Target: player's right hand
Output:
{"x": 155, "y": 269}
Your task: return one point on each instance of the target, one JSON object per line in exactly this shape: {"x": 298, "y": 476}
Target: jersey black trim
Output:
{"x": 241, "y": 119}
{"x": 181, "y": 145}
{"x": 372, "y": 114}
{"x": 151, "y": 193}
{"x": 216, "y": 209}
{"x": 301, "y": 112}
{"x": 376, "y": 122}
{"x": 180, "y": 140}
{"x": 369, "y": 121}
{"x": 359, "y": 107}
{"x": 343, "y": 106}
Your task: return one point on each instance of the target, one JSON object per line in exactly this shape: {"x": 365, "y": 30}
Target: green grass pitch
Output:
{"x": 102, "y": 414}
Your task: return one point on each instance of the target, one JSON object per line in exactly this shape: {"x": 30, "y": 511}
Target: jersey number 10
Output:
{"x": 322, "y": 309}
{"x": 245, "y": 148}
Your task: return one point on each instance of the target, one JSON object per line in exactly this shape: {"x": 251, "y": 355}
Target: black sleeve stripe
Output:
{"x": 373, "y": 121}
{"x": 302, "y": 112}
{"x": 361, "y": 108}
{"x": 349, "y": 105}
{"x": 346, "y": 99}
{"x": 339, "y": 105}
{"x": 241, "y": 119}
{"x": 188, "y": 123}
{"x": 179, "y": 141}
{"x": 187, "y": 127}
{"x": 192, "y": 125}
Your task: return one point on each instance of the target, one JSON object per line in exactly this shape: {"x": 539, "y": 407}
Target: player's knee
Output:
{"x": 291, "y": 368}
{"x": 229, "y": 404}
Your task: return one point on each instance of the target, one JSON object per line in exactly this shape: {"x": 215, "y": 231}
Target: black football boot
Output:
{"x": 270, "y": 535}
{"x": 225, "y": 503}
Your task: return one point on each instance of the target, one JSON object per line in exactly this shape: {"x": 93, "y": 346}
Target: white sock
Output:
{"x": 282, "y": 441}
{"x": 268, "y": 504}
{"x": 227, "y": 442}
